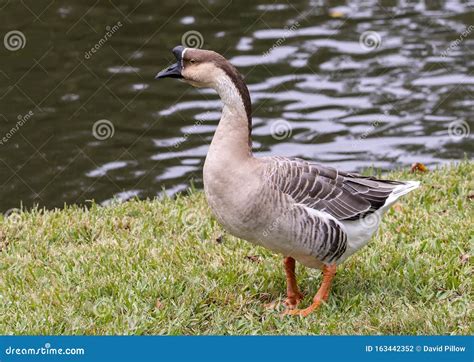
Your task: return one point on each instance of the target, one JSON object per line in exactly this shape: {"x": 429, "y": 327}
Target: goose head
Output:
{"x": 198, "y": 67}
{"x": 206, "y": 68}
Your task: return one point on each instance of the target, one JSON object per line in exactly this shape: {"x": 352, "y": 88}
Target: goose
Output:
{"x": 305, "y": 211}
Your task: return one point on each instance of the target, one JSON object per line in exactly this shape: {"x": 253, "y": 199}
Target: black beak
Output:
{"x": 173, "y": 71}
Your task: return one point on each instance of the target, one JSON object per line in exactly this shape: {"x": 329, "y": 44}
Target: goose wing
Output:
{"x": 345, "y": 196}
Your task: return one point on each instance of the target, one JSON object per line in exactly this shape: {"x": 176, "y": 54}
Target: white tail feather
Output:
{"x": 360, "y": 231}
{"x": 401, "y": 190}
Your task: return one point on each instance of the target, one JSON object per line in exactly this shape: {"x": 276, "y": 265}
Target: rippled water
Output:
{"x": 318, "y": 90}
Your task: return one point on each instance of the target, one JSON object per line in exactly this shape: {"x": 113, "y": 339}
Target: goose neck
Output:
{"x": 234, "y": 130}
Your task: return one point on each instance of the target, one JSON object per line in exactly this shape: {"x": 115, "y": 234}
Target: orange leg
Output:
{"x": 322, "y": 294}
{"x": 293, "y": 294}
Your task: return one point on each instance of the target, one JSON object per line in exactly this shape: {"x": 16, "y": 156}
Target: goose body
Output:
{"x": 305, "y": 211}
{"x": 301, "y": 209}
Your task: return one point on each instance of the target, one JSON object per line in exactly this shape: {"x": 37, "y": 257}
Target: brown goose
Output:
{"x": 305, "y": 211}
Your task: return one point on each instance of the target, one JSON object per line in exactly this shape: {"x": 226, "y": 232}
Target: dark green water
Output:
{"x": 318, "y": 90}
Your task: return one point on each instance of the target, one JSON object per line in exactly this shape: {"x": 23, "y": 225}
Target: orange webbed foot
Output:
{"x": 303, "y": 312}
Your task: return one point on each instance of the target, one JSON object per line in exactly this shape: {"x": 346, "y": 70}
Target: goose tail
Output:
{"x": 404, "y": 188}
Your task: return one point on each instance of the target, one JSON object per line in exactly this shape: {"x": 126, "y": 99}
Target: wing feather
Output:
{"x": 345, "y": 196}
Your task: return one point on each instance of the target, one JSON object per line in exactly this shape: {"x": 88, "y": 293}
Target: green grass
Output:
{"x": 102, "y": 270}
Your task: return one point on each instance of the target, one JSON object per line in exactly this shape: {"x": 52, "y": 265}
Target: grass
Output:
{"x": 159, "y": 267}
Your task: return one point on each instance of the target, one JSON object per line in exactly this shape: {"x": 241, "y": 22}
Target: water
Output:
{"x": 317, "y": 93}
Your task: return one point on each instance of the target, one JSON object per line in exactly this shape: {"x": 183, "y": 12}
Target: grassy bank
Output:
{"x": 162, "y": 267}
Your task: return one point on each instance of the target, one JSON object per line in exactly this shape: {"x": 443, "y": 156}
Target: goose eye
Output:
{"x": 193, "y": 61}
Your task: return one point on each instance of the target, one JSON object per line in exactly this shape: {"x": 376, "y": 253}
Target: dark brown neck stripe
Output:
{"x": 241, "y": 87}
